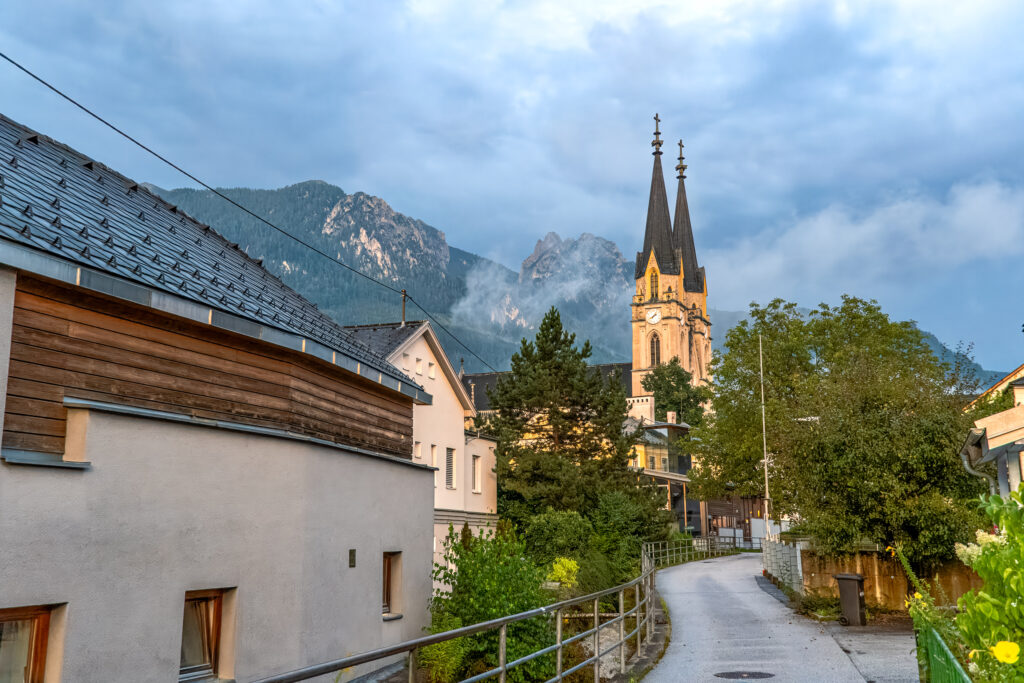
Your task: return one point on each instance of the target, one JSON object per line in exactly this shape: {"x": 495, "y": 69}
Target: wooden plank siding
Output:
{"x": 68, "y": 343}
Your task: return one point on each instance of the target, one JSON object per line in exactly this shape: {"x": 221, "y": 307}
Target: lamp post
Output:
{"x": 764, "y": 437}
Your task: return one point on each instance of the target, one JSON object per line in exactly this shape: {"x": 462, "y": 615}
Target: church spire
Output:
{"x": 658, "y": 233}
{"x": 682, "y": 232}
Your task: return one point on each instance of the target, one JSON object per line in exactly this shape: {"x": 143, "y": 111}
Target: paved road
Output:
{"x": 723, "y": 621}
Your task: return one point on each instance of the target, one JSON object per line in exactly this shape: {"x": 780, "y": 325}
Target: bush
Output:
{"x": 554, "y": 534}
{"x": 489, "y": 576}
{"x": 564, "y": 571}
{"x": 445, "y": 660}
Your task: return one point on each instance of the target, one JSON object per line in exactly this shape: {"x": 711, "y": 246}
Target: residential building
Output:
{"x": 203, "y": 477}
{"x": 465, "y": 483}
{"x": 995, "y": 443}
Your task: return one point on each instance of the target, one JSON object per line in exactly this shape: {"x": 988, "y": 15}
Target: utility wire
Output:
{"x": 231, "y": 201}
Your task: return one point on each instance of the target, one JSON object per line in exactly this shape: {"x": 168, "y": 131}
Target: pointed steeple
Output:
{"x": 682, "y": 232}
{"x": 658, "y": 233}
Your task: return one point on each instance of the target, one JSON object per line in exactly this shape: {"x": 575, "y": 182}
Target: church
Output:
{"x": 669, "y": 319}
{"x": 670, "y": 304}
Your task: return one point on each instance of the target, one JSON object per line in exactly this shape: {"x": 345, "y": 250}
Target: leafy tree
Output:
{"x": 997, "y": 403}
{"x": 863, "y": 425}
{"x": 673, "y": 389}
{"x": 561, "y": 441}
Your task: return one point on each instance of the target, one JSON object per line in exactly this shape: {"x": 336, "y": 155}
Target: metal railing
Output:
{"x": 943, "y": 666}
{"x": 668, "y": 553}
{"x": 653, "y": 557}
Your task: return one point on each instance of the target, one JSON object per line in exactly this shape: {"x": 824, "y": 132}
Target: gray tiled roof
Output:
{"x": 478, "y": 383}
{"x": 384, "y": 338}
{"x": 58, "y": 201}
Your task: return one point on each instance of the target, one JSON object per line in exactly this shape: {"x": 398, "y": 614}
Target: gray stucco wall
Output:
{"x": 170, "y": 507}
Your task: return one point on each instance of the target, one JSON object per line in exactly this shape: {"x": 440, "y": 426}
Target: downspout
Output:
{"x": 970, "y": 470}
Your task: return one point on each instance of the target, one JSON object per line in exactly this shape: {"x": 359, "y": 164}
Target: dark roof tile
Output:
{"x": 138, "y": 236}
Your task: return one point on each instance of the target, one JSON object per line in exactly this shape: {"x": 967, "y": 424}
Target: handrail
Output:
{"x": 643, "y": 587}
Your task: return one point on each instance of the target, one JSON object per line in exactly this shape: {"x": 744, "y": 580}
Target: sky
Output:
{"x": 866, "y": 148}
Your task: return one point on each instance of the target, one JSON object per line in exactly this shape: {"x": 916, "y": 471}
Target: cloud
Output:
{"x": 950, "y": 254}
{"x": 499, "y": 121}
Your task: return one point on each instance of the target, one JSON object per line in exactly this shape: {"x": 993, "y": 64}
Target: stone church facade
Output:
{"x": 670, "y": 303}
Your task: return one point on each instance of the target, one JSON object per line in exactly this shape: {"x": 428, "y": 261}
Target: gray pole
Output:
{"x": 764, "y": 437}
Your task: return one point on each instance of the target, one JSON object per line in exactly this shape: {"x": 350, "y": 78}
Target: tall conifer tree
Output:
{"x": 561, "y": 439}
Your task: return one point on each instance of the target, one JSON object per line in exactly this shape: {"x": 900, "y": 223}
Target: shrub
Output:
{"x": 489, "y": 576}
{"x": 445, "y": 660}
{"x": 556, "y": 533}
{"x": 564, "y": 571}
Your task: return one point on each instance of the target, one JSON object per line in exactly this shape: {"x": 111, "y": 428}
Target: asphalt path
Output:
{"x": 723, "y": 622}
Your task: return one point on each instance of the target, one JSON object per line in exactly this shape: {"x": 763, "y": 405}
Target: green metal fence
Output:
{"x": 942, "y": 666}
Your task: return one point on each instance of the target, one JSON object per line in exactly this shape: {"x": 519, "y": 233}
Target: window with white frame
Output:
{"x": 419, "y": 366}
{"x": 449, "y": 468}
{"x": 405, "y": 361}
{"x": 417, "y": 450}
{"x": 431, "y": 370}
{"x": 433, "y": 461}
{"x": 477, "y": 474}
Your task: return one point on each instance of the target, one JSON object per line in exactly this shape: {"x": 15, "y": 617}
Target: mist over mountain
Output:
{"x": 485, "y": 304}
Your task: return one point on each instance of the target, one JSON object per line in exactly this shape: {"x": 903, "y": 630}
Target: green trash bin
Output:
{"x": 851, "y": 599}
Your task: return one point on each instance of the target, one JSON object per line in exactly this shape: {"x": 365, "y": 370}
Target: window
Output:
{"x": 431, "y": 370}
{"x": 391, "y": 582}
{"x": 419, "y": 366}
{"x": 23, "y": 635}
{"x": 405, "y": 361}
{"x": 477, "y": 478}
{"x": 417, "y": 450}
{"x": 433, "y": 461}
{"x": 449, "y": 467}
{"x": 654, "y": 284}
{"x": 655, "y": 350}
{"x": 200, "y": 635}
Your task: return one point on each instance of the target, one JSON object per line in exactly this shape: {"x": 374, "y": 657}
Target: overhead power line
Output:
{"x": 242, "y": 208}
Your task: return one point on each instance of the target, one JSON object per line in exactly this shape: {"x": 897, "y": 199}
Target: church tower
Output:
{"x": 670, "y": 310}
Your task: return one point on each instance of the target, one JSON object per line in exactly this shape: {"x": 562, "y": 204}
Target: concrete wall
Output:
{"x": 171, "y": 507}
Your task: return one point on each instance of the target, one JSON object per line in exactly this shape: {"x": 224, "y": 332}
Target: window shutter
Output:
{"x": 449, "y": 469}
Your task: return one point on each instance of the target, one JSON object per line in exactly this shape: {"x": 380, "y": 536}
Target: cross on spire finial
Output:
{"x": 656, "y": 143}
{"x": 680, "y": 167}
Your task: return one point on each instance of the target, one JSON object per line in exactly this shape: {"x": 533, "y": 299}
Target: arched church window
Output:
{"x": 654, "y": 284}
{"x": 655, "y": 350}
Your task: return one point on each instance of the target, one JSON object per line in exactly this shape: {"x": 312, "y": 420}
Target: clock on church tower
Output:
{"x": 670, "y": 301}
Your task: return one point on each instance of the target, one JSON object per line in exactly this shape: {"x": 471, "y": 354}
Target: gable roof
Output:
{"x": 998, "y": 386}
{"x": 392, "y": 339}
{"x": 68, "y": 217}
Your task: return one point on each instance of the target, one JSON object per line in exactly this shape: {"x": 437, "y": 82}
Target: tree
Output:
{"x": 673, "y": 389}
{"x": 864, "y": 425}
{"x": 561, "y": 440}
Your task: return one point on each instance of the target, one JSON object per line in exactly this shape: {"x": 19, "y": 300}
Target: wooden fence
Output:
{"x": 885, "y": 583}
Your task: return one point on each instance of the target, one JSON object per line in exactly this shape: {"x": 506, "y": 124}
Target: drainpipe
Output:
{"x": 970, "y": 470}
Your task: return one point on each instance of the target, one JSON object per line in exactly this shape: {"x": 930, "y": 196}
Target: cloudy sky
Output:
{"x": 867, "y": 148}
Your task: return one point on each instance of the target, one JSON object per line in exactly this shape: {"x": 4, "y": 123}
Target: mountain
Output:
{"x": 485, "y": 304}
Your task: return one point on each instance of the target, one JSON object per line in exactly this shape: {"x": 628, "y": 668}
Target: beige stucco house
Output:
{"x": 465, "y": 484}
{"x": 202, "y": 477}
{"x": 995, "y": 444}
